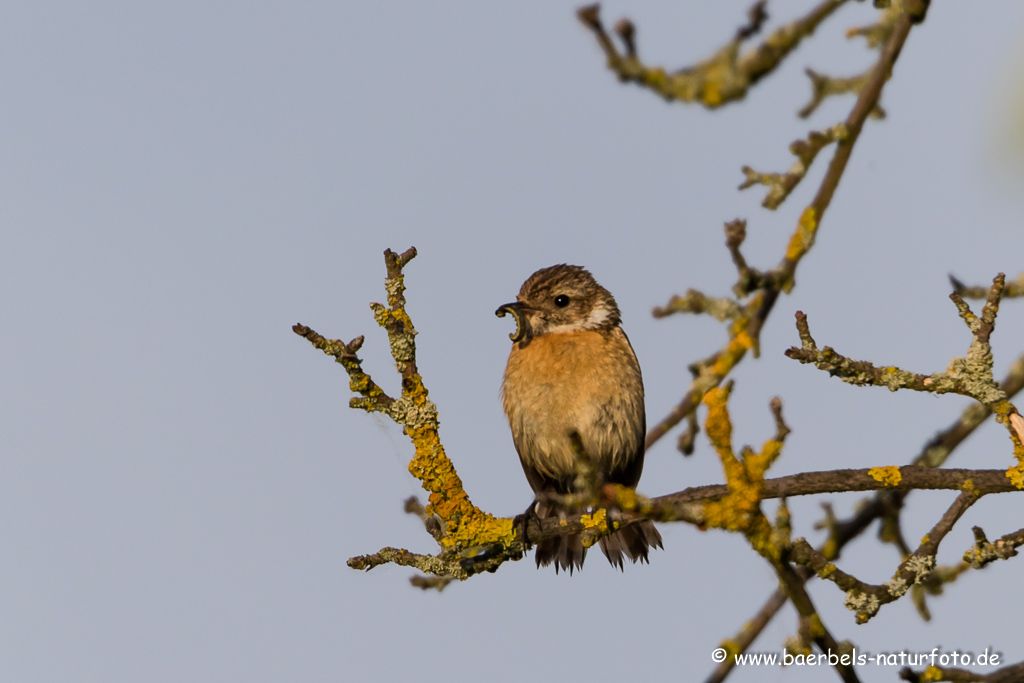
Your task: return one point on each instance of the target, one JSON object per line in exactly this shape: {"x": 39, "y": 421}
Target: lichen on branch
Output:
{"x": 727, "y": 75}
{"x": 967, "y": 375}
{"x": 740, "y": 508}
{"x": 461, "y": 525}
{"x": 757, "y": 291}
{"x": 781, "y": 184}
{"x": 866, "y": 599}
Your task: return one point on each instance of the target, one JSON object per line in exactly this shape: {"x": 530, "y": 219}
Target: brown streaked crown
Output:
{"x": 566, "y": 298}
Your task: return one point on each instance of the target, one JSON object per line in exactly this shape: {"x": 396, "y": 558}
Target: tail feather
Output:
{"x": 634, "y": 540}
{"x": 567, "y": 552}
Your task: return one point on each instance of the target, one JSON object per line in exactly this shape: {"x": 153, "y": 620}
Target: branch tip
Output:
{"x": 723, "y": 77}
{"x": 756, "y": 17}
{"x": 396, "y": 262}
{"x": 627, "y": 32}
{"x": 781, "y": 428}
{"x": 590, "y": 15}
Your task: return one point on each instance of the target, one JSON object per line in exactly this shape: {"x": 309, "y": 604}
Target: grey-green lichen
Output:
{"x": 865, "y": 605}
{"x": 983, "y": 552}
{"x": 395, "y": 287}
{"x": 897, "y": 586}
{"x": 919, "y": 566}
{"x": 973, "y": 375}
{"x": 781, "y": 184}
{"x": 407, "y": 412}
{"x": 403, "y": 347}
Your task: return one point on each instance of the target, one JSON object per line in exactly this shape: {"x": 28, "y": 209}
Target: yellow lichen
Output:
{"x": 744, "y": 339}
{"x": 598, "y": 520}
{"x": 482, "y": 529}
{"x": 1016, "y": 475}
{"x": 739, "y": 343}
{"x": 718, "y": 425}
{"x": 803, "y": 237}
{"x": 656, "y": 78}
{"x": 464, "y": 523}
{"x": 890, "y": 476}
{"x": 627, "y": 499}
{"x": 463, "y": 527}
{"x": 712, "y": 93}
{"x": 731, "y": 647}
{"x": 739, "y": 509}
{"x": 815, "y": 627}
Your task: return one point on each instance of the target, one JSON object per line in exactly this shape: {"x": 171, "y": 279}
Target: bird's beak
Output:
{"x": 516, "y": 310}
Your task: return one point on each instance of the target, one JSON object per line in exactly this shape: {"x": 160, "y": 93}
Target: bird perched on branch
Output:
{"x": 573, "y": 390}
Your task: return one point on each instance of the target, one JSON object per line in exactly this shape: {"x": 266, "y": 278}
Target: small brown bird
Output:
{"x": 572, "y": 375}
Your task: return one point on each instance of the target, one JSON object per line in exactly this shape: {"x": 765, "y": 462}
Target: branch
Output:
{"x": 866, "y": 599}
{"x": 1014, "y": 289}
{"x": 970, "y": 375}
{"x": 810, "y": 620}
{"x": 456, "y": 524}
{"x": 823, "y": 87}
{"x": 739, "y": 509}
{"x": 696, "y": 302}
{"x": 472, "y": 541}
{"x": 884, "y": 503}
{"x": 724, "y": 77}
{"x": 901, "y": 479}
{"x": 745, "y": 330}
{"x": 879, "y": 33}
{"x": 1008, "y": 674}
{"x": 747, "y": 635}
{"x": 983, "y": 552}
{"x": 781, "y": 184}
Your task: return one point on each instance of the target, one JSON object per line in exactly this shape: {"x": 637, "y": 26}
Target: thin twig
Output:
{"x": 744, "y": 337}
{"x": 724, "y": 77}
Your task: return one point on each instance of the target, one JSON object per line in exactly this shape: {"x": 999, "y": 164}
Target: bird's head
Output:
{"x": 561, "y": 299}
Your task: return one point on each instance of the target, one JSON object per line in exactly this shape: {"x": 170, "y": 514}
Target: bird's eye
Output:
{"x": 561, "y": 301}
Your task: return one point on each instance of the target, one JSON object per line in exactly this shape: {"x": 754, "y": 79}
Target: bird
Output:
{"x": 573, "y": 388}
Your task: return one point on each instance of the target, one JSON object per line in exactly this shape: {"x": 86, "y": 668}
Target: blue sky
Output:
{"x": 182, "y": 480}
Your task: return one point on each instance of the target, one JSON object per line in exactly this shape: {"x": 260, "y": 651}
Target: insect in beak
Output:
{"x": 515, "y": 309}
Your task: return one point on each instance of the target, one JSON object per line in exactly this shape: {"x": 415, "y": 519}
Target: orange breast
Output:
{"x": 586, "y": 382}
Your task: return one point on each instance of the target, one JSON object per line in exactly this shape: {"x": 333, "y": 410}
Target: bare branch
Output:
{"x": 724, "y": 77}
{"x": 697, "y": 302}
{"x": 745, "y": 330}
{"x": 866, "y": 599}
{"x": 823, "y": 87}
{"x": 1014, "y": 288}
{"x": 970, "y": 375}
{"x": 1008, "y": 674}
{"x": 906, "y": 478}
{"x": 884, "y": 503}
{"x": 747, "y": 635}
{"x": 451, "y": 518}
{"x": 983, "y": 552}
{"x": 781, "y": 184}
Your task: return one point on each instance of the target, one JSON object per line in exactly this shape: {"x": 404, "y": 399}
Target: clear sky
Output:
{"x": 181, "y": 481}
